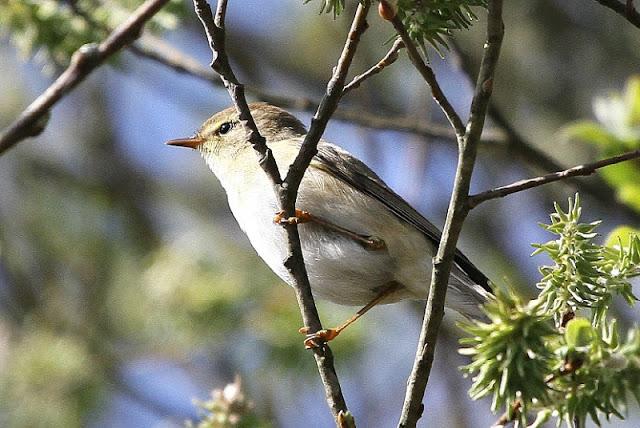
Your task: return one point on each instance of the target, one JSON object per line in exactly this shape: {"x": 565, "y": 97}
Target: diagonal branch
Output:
{"x": 626, "y": 10}
{"x": 33, "y": 119}
{"x": 288, "y": 194}
{"x": 457, "y": 212}
{"x": 427, "y": 74}
{"x": 287, "y": 191}
{"x": 519, "y": 186}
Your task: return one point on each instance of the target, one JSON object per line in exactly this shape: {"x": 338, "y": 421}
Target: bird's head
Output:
{"x": 223, "y": 135}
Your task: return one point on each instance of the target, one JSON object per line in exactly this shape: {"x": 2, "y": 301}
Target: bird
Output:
{"x": 362, "y": 243}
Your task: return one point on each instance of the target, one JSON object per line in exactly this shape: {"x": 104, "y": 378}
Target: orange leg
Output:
{"x": 299, "y": 217}
{"x": 315, "y": 340}
{"x": 369, "y": 242}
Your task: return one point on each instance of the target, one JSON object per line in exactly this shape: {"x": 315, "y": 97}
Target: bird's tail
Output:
{"x": 465, "y": 295}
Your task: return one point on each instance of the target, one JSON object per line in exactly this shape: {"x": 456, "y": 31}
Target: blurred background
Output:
{"x": 126, "y": 288}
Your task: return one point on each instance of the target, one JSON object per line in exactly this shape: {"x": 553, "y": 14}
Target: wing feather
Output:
{"x": 344, "y": 166}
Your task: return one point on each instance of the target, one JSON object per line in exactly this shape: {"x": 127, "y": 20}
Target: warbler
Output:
{"x": 362, "y": 243}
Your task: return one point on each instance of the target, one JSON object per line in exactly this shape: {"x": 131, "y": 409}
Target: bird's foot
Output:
{"x": 300, "y": 217}
{"x": 319, "y": 338}
{"x": 369, "y": 242}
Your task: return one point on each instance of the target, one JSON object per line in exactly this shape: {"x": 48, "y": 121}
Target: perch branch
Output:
{"x": 519, "y": 186}
{"x": 287, "y": 190}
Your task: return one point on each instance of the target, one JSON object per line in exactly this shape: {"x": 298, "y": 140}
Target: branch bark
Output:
{"x": 286, "y": 191}
{"x": 457, "y": 212}
{"x": 519, "y": 186}
{"x": 33, "y": 120}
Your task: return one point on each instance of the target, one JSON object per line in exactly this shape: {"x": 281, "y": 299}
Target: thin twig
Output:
{"x": 387, "y": 60}
{"x": 33, "y": 119}
{"x": 519, "y": 186}
{"x": 626, "y": 10}
{"x": 456, "y": 214}
{"x": 430, "y": 78}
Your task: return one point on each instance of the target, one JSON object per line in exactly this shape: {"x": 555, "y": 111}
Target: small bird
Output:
{"x": 362, "y": 243}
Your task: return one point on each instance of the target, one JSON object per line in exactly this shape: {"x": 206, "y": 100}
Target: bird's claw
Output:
{"x": 300, "y": 217}
{"x": 319, "y": 338}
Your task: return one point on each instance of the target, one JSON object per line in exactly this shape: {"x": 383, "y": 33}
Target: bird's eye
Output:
{"x": 225, "y": 127}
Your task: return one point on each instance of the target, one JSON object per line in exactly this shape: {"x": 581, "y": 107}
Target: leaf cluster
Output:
{"x": 607, "y": 369}
{"x": 508, "y": 353}
{"x": 428, "y": 22}
{"x": 537, "y": 357}
{"x": 330, "y": 6}
{"x": 584, "y": 274}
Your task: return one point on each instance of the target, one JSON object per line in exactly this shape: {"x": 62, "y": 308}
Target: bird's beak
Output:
{"x": 191, "y": 142}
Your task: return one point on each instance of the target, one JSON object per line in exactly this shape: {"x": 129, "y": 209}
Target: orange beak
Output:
{"x": 191, "y": 142}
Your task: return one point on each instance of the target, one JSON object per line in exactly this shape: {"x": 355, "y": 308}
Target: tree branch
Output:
{"x": 387, "y": 60}
{"x": 457, "y": 212}
{"x": 288, "y": 195}
{"x": 626, "y": 10}
{"x": 427, "y": 73}
{"x": 287, "y": 191}
{"x": 519, "y": 186}
{"x": 33, "y": 119}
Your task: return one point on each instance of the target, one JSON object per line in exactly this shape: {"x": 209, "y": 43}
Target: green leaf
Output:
{"x": 621, "y": 235}
{"x": 632, "y": 99}
{"x": 579, "y": 333}
{"x": 590, "y": 132}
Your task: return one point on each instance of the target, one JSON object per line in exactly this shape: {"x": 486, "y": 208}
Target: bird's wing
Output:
{"x": 344, "y": 166}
